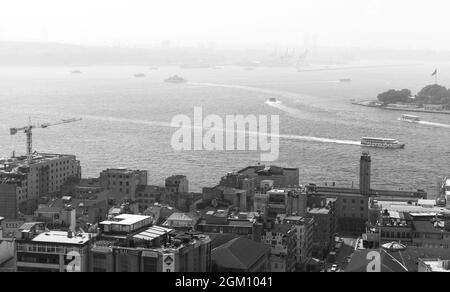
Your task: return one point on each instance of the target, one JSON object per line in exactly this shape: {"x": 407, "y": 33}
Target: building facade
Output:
{"x": 123, "y": 182}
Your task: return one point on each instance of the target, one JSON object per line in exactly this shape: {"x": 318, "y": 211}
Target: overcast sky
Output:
{"x": 360, "y": 23}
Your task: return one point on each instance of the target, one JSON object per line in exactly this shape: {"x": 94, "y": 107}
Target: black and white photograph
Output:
{"x": 227, "y": 142}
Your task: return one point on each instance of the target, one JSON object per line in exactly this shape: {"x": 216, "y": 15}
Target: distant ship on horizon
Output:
{"x": 175, "y": 79}
{"x": 345, "y": 80}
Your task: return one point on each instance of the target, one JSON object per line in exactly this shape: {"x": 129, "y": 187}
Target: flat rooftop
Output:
{"x": 62, "y": 237}
{"x": 11, "y": 165}
{"x": 410, "y": 208}
{"x": 323, "y": 211}
{"x": 123, "y": 170}
{"x": 126, "y": 219}
{"x": 152, "y": 233}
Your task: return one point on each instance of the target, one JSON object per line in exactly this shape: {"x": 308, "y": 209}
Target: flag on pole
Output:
{"x": 434, "y": 73}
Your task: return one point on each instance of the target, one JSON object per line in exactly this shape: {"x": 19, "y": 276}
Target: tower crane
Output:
{"x": 28, "y": 130}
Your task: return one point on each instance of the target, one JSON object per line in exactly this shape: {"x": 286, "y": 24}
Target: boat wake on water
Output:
{"x": 434, "y": 124}
{"x": 281, "y": 136}
{"x": 417, "y": 120}
{"x": 250, "y": 88}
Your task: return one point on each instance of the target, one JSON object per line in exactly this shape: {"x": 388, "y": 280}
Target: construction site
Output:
{"x": 26, "y": 178}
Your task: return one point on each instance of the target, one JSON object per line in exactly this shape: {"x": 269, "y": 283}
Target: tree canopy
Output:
{"x": 394, "y": 96}
{"x": 434, "y": 94}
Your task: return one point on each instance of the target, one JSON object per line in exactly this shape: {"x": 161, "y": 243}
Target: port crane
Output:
{"x": 28, "y": 130}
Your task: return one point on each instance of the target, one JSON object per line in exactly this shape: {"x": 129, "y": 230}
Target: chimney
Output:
{"x": 364, "y": 174}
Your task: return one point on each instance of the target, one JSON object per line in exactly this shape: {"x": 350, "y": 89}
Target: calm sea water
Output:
{"x": 125, "y": 120}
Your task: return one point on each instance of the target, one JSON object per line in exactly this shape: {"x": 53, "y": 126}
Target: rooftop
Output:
{"x": 429, "y": 227}
{"x": 400, "y": 206}
{"x": 395, "y": 261}
{"x": 436, "y": 265}
{"x": 15, "y": 165}
{"x": 239, "y": 253}
{"x": 152, "y": 233}
{"x": 176, "y": 176}
{"x": 322, "y": 211}
{"x": 123, "y": 170}
{"x": 62, "y": 237}
{"x": 183, "y": 217}
{"x": 282, "y": 228}
{"x": 126, "y": 219}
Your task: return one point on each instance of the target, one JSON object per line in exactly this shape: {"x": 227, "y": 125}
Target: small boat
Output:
{"x": 345, "y": 80}
{"x": 272, "y": 99}
{"x": 381, "y": 143}
{"x": 409, "y": 119}
{"x": 139, "y": 75}
{"x": 175, "y": 79}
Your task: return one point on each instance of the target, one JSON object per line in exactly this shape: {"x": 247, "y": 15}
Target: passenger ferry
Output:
{"x": 409, "y": 118}
{"x": 272, "y": 99}
{"x": 381, "y": 143}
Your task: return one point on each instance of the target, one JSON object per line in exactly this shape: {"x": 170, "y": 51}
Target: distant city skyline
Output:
{"x": 371, "y": 23}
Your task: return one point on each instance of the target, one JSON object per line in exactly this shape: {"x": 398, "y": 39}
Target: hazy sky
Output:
{"x": 381, "y": 23}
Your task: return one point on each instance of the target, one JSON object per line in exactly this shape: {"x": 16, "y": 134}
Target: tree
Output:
{"x": 434, "y": 94}
{"x": 394, "y": 96}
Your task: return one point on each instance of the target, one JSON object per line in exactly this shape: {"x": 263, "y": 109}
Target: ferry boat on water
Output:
{"x": 175, "y": 79}
{"x": 409, "y": 118}
{"x": 272, "y": 99}
{"x": 381, "y": 143}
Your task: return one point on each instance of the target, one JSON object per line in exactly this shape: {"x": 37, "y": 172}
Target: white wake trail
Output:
{"x": 434, "y": 124}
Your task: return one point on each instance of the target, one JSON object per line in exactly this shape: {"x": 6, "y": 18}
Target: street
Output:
{"x": 343, "y": 254}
